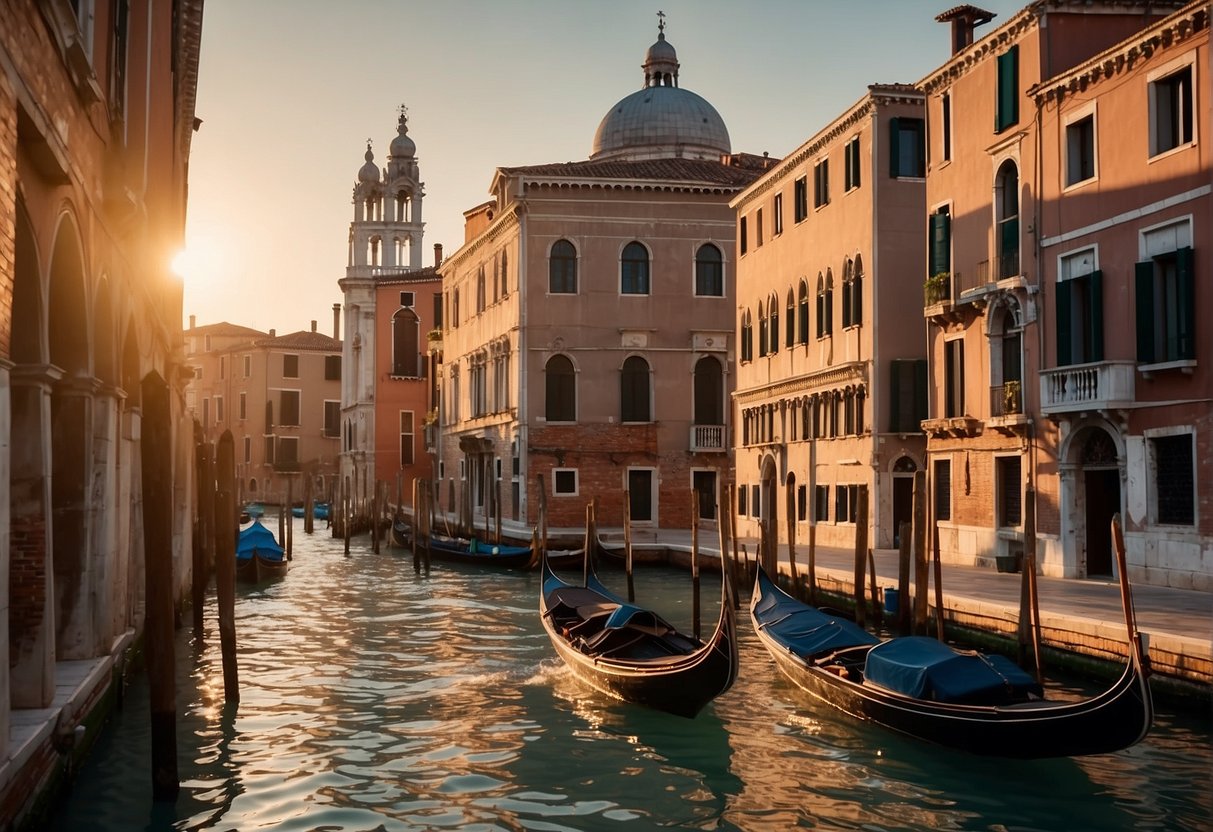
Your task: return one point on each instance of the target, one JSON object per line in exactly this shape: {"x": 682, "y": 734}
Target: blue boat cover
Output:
{"x": 807, "y": 631}
{"x": 258, "y": 537}
{"x": 924, "y": 668}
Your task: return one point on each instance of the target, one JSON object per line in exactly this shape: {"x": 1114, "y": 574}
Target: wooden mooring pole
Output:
{"x": 416, "y": 525}
{"x": 919, "y": 624}
{"x": 290, "y": 516}
{"x": 791, "y": 506}
{"x": 156, "y": 455}
{"x": 205, "y": 488}
{"x": 695, "y": 562}
{"x": 903, "y": 578}
{"x": 226, "y": 521}
{"x": 627, "y": 544}
{"x": 861, "y": 553}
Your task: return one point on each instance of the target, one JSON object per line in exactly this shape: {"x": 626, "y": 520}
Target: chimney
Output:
{"x": 964, "y": 20}
{"x": 437, "y": 255}
{"x": 192, "y": 321}
{"x": 313, "y": 326}
{"x": 336, "y": 322}
{"x": 273, "y": 333}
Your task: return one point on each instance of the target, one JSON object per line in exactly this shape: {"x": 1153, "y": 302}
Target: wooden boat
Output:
{"x": 631, "y": 653}
{"x": 401, "y": 534}
{"x": 964, "y": 700}
{"x": 259, "y": 556}
{"x": 320, "y": 511}
{"x": 472, "y": 550}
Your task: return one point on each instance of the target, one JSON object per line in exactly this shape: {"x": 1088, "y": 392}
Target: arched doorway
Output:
{"x": 1101, "y": 498}
{"x": 767, "y": 515}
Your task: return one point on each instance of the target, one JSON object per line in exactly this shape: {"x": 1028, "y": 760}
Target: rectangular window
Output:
{"x": 744, "y": 235}
{"x": 1010, "y": 491}
{"x": 1080, "y": 150}
{"x": 1078, "y": 299}
{"x": 943, "y": 489}
{"x": 846, "y": 502}
{"x": 758, "y": 228}
{"x": 438, "y": 310}
{"x": 248, "y": 366}
{"x": 1174, "y": 482}
{"x": 1171, "y": 111}
{"x": 954, "y": 378}
{"x": 940, "y": 254}
{"x": 755, "y": 504}
{"x": 269, "y": 450}
{"x": 821, "y": 183}
{"x": 223, "y": 366}
{"x": 564, "y": 482}
{"x": 802, "y": 503}
{"x": 852, "y": 166}
{"x": 1166, "y": 308}
{"x": 332, "y": 418}
{"x": 290, "y": 366}
{"x": 206, "y": 413}
{"x": 288, "y": 407}
{"x": 743, "y": 492}
{"x": 288, "y": 452}
{"x": 218, "y": 409}
{"x": 907, "y": 154}
{"x": 778, "y": 213}
{"x": 332, "y": 368}
{"x": 945, "y": 106}
{"x": 407, "y": 438}
{"x": 1006, "y": 103}
{"x": 800, "y": 196}
{"x": 243, "y": 406}
{"x": 248, "y": 449}
{"x": 407, "y": 299}
{"x": 821, "y": 503}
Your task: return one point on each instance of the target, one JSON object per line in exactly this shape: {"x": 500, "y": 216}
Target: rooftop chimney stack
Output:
{"x": 437, "y": 255}
{"x": 273, "y": 333}
{"x": 313, "y": 326}
{"x": 191, "y": 321}
{"x": 336, "y": 322}
{"x": 964, "y": 20}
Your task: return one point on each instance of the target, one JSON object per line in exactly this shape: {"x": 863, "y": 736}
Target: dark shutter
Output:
{"x": 1007, "y": 104}
{"x": 895, "y": 396}
{"x": 941, "y": 243}
{"x": 894, "y": 151}
{"x": 1145, "y": 311}
{"x": 1185, "y": 301}
{"x": 1061, "y": 300}
{"x": 920, "y": 392}
{"x": 1095, "y": 308}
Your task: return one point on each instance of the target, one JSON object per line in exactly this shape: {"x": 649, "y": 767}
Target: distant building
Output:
{"x": 1067, "y": 199}
{"x": 392, "y": 310}
{"x": 279, "y": 395}
{"x": 587, "y": 325}
{"x": 831, "y": 373}
{"x": 96, "y": 120}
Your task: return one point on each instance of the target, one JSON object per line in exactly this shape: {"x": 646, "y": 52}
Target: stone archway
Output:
{"x": 1092, "y": 476}
{"x": 768, "y": 514}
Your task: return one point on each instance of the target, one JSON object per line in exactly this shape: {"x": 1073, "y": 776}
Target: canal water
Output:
{"x": 374, "y": 699}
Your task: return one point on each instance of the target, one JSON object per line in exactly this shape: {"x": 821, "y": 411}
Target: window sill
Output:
{"x": 1079, "y": 185}
{"x": 1185, "y": 366}
{"x": 1170, "y": 151}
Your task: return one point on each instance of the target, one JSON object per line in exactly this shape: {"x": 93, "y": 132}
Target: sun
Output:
{"x": 201, "y": 261}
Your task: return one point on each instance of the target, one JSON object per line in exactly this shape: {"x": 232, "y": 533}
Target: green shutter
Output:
{"x": 895, "y": 396}
{"x": 1007, "y": 103}
{"x": 894, "y": 154}
{"x": 1185, "y": 304}
{"x": 920, "y": 392}
{"x": 1061, "y": 300}
{"x": 857, "y": 299}
{"x": 1145, "y": 311}
{"x": 1095, "y": 348}
{"x": 941, "y": 243}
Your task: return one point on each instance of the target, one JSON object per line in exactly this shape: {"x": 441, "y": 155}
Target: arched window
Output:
{"x": 790, "y": 338}
{"x": 1008, "y": 340}
{"x": 1006, "y": 201}
{"x": 252, "y": 486}
{"x": 480, "y": 290}
{"x": 635, "y": 399}
{"x": 561, "y": 389}
{"x": 496, "y": 279}
{"x": 747, "y": 336}
{"x": 762, "y": 329}
{"x": 455, "y": 310}
{"x": 821, "y": 305}
{"x": 709, "y": 271}
{"x": 562, "y": 269}
{"x": 773, "y": 305}
{"x": 505, "y": 273}
{"x": 406, "y": 346}
{"x": 709, "y": 392}
{"x": 802, "y": 313}
{"x": 634, "y": 270}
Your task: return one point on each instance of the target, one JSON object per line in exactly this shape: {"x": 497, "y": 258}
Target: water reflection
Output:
{"x": 376, "y": 699}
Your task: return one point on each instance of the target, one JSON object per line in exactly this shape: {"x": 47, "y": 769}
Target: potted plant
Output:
{"x": 1010, "y": 397}
{"x": 936, "y": 288}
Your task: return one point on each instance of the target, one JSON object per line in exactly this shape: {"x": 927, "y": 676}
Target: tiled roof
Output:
{"x": 224, "y": 329}
{"x": 303, "y": 340}
{"x": 668, "y": 172}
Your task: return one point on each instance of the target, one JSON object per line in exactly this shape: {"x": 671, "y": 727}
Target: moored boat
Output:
{"x": 259, "y": 556}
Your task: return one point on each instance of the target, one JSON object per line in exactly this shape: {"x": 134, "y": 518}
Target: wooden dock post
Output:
{"x": 543, "y": 514}
{"x": 725, "y": 532}
{"x": 861, "y": 553}
{"x": 225, "y": 561}
{"x": 204, "y": 486}
{"x": 416, "y": 525}
{"x": 1029, "y": 603}
{"x": 919, "y": 625}
{"x": 590, "y": 536}
{"x": 811, "y": 578}
{"x": 428, "y": 505}
{"x": 346, "y": 510}
{"x": 791, "y": 506}
{"x": 695, "y": 561}
{"x": 741, "y": 566}
{"x": 903, "y": 578}
{"x": 938, "y": 570}
{"x": 627, "y": 543}
{"x": 156, "y": 455}
{"x": 290, "y": 516}
{"x": 376, "y": 501}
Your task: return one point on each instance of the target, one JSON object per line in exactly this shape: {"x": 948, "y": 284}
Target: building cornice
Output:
{"x": 1124, "y": 56}
{"x": 992, "y": 45}
{"x": 826, "y": 379}
{"x": 505, "y": 223}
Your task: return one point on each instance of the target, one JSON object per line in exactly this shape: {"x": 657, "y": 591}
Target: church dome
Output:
{"x": 661, "y": 120}
{"x": 369, "y": 172}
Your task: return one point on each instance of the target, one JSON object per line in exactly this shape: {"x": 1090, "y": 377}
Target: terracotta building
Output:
{"x": 587, "y": 323}
{"x": 1036, "y": 218}
{"x": 279, "y": 395}
{"x": 96, "y": 118}
{"x": 831, "y": 377}
{"x": 392, "y": 309}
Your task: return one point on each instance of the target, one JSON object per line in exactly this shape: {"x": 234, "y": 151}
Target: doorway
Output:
{"x": 903, "y": 495}
{"x": 1102, "y": 487}
{"x": 640, "y": 494}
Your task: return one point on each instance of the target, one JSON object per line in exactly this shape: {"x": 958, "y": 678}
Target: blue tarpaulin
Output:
{"x": 924, "y": 668}
{"x": 258, "y": 537}
{"x": 807, "y": 631}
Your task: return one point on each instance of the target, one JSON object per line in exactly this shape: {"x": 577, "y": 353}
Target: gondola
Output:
{"x": 259, "y": 556}
{"x": 472, "y": 550}
{"x": 918, "y": 686}
{"x": 631, "y": 653}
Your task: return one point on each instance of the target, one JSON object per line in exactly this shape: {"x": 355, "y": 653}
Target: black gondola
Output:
{"x": 631, "y": 653}
{"x": 964, "y": 700}
{"x": 259, "y": 556}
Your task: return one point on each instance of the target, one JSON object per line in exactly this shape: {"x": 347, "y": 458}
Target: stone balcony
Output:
{"x": 1102, "y": 385}
{"x": 708, "y": 439}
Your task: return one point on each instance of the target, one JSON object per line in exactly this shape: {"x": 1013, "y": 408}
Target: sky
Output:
{"x": 289, "y": 91}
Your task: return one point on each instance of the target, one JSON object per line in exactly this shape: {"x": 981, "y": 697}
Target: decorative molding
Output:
{"x": 821, "y": 380}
